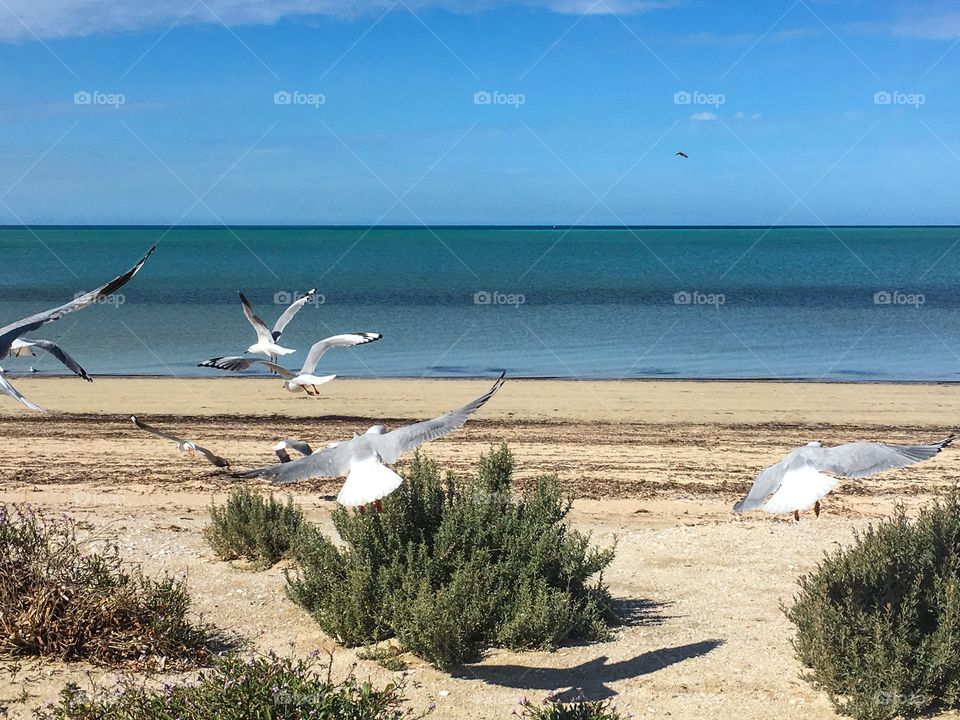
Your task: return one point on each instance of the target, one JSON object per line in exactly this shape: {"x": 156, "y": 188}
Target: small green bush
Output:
{"x": 448, "y": 567}
{"x": 256, "y": 528}
{"x": 580, "y": 710}
{"x": 234, "y": 689}
{"x": 879, "y": 622}
{"x": 58, "y": 601}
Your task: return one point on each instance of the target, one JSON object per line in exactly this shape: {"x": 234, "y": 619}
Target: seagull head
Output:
{"x": 815, "y": 443}
{"x": 376, "y": 430}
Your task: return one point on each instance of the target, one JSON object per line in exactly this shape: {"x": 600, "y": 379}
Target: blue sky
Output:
{"x": 180, "y": 122}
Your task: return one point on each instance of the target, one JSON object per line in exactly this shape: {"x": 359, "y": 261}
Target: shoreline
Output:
{"x": 596, "y": 402}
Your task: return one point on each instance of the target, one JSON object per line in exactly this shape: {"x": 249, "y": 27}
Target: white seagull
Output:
{"x": 12, "y": 332}
{"x": 185, "y": 446}
{"x": 305, "y": 380}
{"x": 364, "y": 458}
{"x": 21, "y": 347}
{"x": 808, "y": 473}
{"x": 266, "y": 343}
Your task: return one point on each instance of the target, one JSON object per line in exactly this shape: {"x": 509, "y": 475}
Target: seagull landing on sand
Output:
{"x": 364, "y": 458}
{"x": 11, "y": 333}
{"x": 266, "y": 343}
{"x": 185, "y": 446}
{"x": 289, "y": 444}
{"x": 683, "y": 155}
{"x": 305, "y": 380}
{"x": 808, "y": 473}
{"x": 21, "y": 347}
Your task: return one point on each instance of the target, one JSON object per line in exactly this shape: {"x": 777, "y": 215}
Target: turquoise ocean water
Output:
{"x": 806, "y": 303}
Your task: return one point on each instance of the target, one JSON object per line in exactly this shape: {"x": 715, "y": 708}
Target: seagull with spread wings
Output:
{"x": 364, "y": 458}
{"x": 266, "y": 343}
{"x": 305, "y": 380}
{"x": 14, "y": 331}
{"x": 808, "y": 473}
{"x": 185, "y": 446}
{"x": 22, "y": 346}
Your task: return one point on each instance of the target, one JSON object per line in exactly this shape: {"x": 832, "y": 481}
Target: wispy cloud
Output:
{"x": 704, "y": 116}
{"x": 942, "y": 26}
{"x": 53, "y": 19}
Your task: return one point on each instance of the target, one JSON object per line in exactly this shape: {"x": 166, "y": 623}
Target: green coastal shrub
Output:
{"x": 448, "y": 567}
{"x": 253, "y": 527}
{"x": 60, "y": 599}
{"x": 879, "y": 622}
{"x": 579, "y": 710}
{"x": 235, "y": 688}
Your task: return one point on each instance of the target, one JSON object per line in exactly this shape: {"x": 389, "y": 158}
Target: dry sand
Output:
{"x": 655, "y": 464}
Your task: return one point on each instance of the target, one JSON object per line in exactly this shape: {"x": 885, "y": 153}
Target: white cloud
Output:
{"x": 704, "y": 116}
{"x": 945, "y": 26}
{"x": 50, "y": 19}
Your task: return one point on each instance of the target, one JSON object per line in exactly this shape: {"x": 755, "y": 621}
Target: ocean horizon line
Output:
{"x": 451, "y": 226}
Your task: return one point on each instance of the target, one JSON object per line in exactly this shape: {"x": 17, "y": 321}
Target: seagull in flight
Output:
{"x": 266, "y": 343}
{"x": 364, "y": 458}
{"x": 305, "y": 380}
{"x": 14, "y": 331}
{"x": 300, "y": 446}
{"x": 683, "y": 155}
{"x": 185, "y": 446}
{"x": 808, "y": 473}
{"x": 22, "y": 346}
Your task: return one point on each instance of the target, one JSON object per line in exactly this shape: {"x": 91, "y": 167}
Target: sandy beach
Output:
{"x": 655, "y": 465}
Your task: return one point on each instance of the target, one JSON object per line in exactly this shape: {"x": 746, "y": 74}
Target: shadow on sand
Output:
{"x": 587, "y": 681}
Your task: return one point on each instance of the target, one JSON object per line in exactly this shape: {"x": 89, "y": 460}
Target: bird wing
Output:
{"x": 211, "y": 457}
{"x": 860, "y": 459}
{"x": 8, "y": 389}
{"x": 153, "y": 431}
{"x": 288, "y": 314}
{"x": 14, "y": 330}
{"x": 301, "y": 446}
{"x": 59, "y": 353}
{"x": 263, "y": 333}
{"x": 390, "y": 446}
{"x": 332, "y": 461}
{"x": 238, "y": 363}
{"x": 345, "y": 340}
{"x": 767, "y": 482}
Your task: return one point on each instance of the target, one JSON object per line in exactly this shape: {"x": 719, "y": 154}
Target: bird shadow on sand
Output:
{"x": 588, "y": 680}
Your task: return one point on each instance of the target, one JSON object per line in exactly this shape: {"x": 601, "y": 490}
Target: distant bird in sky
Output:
{"x": 305, "y": 380}
{"x": 799, "y": 480}
{"x": 364, "y": 458}
{"x": 266, "y": 338}
{"x": 682, "y": 154}
{"x": 11, "y": 333}
{"x": 185, "y": 446}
